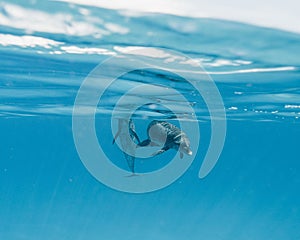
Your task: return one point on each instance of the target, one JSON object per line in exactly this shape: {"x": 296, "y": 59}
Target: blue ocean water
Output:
{"x": 49, "y": 48}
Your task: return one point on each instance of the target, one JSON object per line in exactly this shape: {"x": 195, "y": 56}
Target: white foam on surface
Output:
{"x": 269, "y": 13}
{"x": 27, "y": 41}
{"x": 33, "y": 20}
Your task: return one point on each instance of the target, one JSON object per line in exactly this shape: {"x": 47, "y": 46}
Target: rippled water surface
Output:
{"x": 46, "y": 57}
{"x": 48, "y": 49}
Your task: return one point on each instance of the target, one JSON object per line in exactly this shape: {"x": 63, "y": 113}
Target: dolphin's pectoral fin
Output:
{"x": 144, "y": 143}
{"x": 181, "y": 155}
{"x": 115, "y": 138}
{"x": 158, "y": 152}
{"x": 165, "y": 148}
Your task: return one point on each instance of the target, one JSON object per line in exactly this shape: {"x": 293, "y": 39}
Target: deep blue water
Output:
{"x": 47, "y": 193}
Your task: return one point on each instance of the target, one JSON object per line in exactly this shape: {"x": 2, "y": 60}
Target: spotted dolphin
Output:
{"x": 162, "y": 132}
{"x": 127, "y": 141}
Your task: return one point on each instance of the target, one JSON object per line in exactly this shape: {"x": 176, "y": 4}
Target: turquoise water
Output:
{"x": 48, "y": 49}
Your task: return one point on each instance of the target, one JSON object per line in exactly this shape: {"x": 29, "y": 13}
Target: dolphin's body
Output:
{"x": 162, "y": 132}
{"x": 128, "y": 141}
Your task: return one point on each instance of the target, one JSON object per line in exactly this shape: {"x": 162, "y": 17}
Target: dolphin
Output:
{"x": 128, "y": 141}
{"x": 162, "y": 132}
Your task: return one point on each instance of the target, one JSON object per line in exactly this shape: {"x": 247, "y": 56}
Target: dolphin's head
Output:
{"x": 185, "y": 146}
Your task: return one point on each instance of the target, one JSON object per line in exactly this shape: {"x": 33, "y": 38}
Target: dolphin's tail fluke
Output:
{"x": 130, "y": 161}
